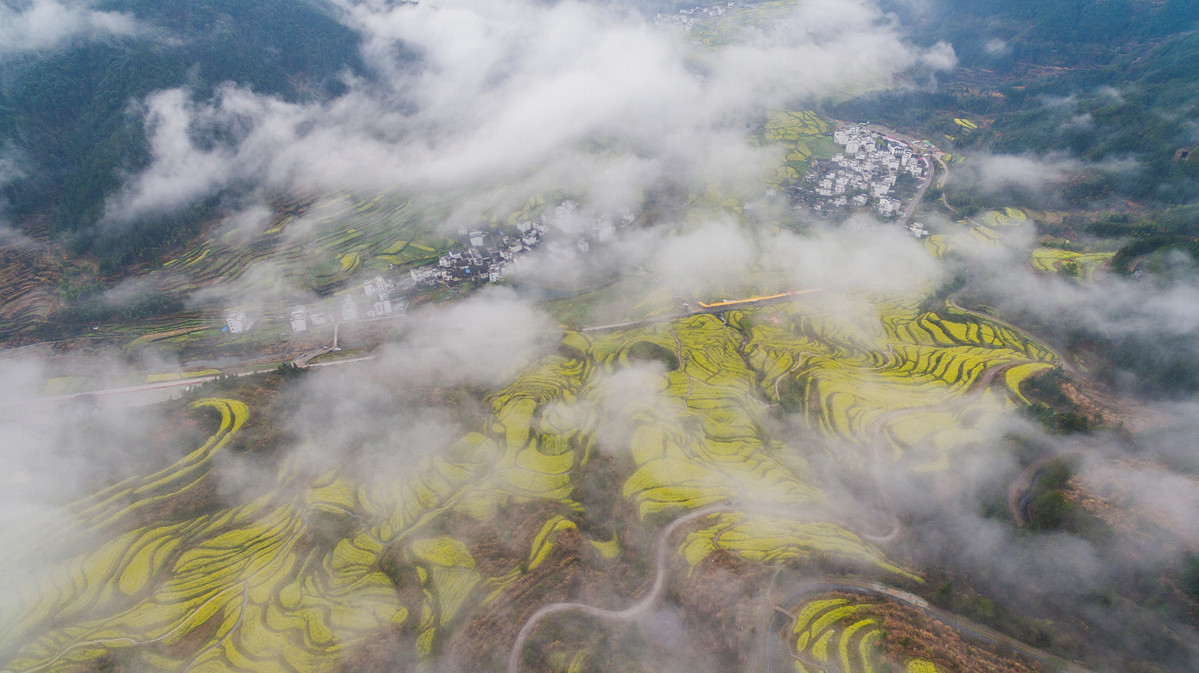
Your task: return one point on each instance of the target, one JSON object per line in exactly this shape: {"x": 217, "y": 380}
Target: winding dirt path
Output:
{"x": 874, "y": 434}
{"x": 637, "y": 609}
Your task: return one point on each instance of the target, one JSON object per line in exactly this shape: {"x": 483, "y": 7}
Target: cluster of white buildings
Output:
{"x": 379, "y": 304}
{"x": 378, "y": 292}
{"x": 917, "y": 229}
{"x": 237, "y": 322}
{"x": 484, "y": 254}
{"x": 580, "y": 232}
{"x": 685, "y": 19}
{"x": 493, "y": 255}
{"x": 865, "y": 173}
{"x": 302, "y": 317}
{"x": 487, "y": 255}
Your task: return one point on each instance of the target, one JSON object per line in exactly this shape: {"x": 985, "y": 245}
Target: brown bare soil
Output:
{"x": 723, "y": 600}
{"x": 911, "y": 634}
{"x": 30, "y": 280}
{"x": 388, "y": 651}
{"x": 1095, "y": 399}
{"x": 484, "y": 642}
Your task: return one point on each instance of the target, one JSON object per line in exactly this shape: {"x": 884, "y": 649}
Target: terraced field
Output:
{"x": 992, "y": 227}
{"x": 320, "y": 564}
{"x": 905, "y": 383}
{"x": 732, "y": 27}
{"x": 867, "y": 632}
{"x": 1003, "y": 218}
{"x": 835, "y": 633}
{"x": 1056, "y": 260}
{"x": 322, "y": 244}
{"x": 337, "y": 236}
{"x": 248, "y": 587}
{"x": 804, "y": 134}
{"x": 29, "y": 284}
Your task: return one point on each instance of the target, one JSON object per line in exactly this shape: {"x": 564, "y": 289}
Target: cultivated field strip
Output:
{"x": 912, "y": 375}
{"x": 1055, "y": 260}
{"x": 298, "y": 576}
{"x": 796, "y": 131}
{"x": 837, "y": 634}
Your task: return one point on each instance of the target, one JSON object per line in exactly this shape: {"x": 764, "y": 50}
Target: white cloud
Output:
{"x": 995, "y": 172}
{"x": 46, "y": 24}
{"x": 1080, "y": 122}
{"x": 1060, "y": 102}
{"x": 520, "y": 92}
{"x": 1111, "y": 92}
{"x": 940, "y": 57}
{"x": 182, "y": 172}
{"x": 714, "y": 254}
{"x": 997, "y": 47}
{"x": 481, "y": 341}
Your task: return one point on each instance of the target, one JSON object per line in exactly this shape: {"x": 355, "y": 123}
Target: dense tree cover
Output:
{"x": 1125, "y": 102}
{"x": 1122, "y": 261}
{"x": 70, "y": 115}
{"x": 1164, "y": 366}
{"x": 1061, "y": 32}
{"x": 1052, "y": 407}
{"x": 76, "y": 317}
{"x": 120, "y": 246}
{"x": 1050, "y": 508}
{"x": 1190, "y": 577}
{"x": 645, "y": 351}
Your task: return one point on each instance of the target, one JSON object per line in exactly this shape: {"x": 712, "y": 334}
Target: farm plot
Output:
{"x": 732, "y": 27}
{"x": 319, "y": 564}
{"x": 804, "y": 134}
{"x": 335, "y": 237}
{"x": 249, "y": 587}
{"x": 836, "y": 633}
{"x": 1008, "y": 217}
{"x": 908, "y": 380}
{"x": 1081, "y": 264}
{"x": 855, "y": 633}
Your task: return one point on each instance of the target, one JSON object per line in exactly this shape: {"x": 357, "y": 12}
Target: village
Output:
{"x": 684, "y": 20}
{"x": 481, "y": 257}
{"x": 873, "y": 171}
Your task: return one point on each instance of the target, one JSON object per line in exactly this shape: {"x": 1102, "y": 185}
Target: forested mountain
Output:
{"x": 1098, "y": 80}
{"x": 1057, "y": 32}
{"x": 69, "y": 117}
{"x": 1092, "y": 80}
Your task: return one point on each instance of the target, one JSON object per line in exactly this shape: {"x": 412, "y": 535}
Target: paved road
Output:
{"x": 166, "y": 385}
{"x": 697, "y": 310}
{"x": 910, "y": 211}
{"x": 648, "y": 600}
{"x": 301, "y": 361}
